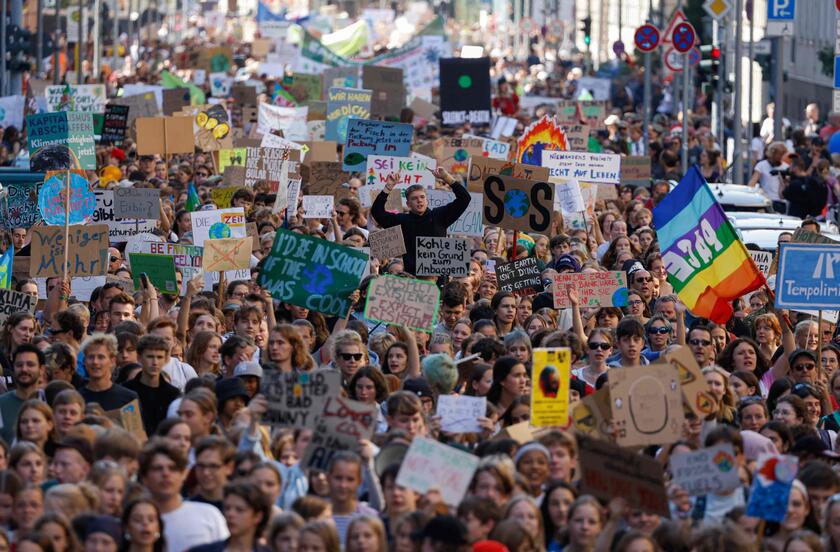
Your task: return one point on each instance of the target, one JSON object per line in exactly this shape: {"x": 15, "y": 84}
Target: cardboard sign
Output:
{"x": 608, "y": 470}
{"x": 772, "y": 481}
{"x": 220, "y": 84}
{"x": 432, "y": 465}
{"x": 518, "y": 204}
{"x": 115, "y": 124}
{"x": 762, "y": 260}
{"x": 388, "y": 89}
{"x": 387, "y": 243}
{"x": 324, "y": 177}
{"x": 59, "y": 141}
{"x": 130, "y": 419}
{"x": 577, "y": 137}
{"x": 646, "y": 404}
{"x": 159, "y": 268}
{"x": 80, "y": 98}
{"x": 137, "y": 203}
{"x": 165, "y": 135}
{"x": 635, "y": 170}
{"x": 227, "y": 254}
{"x": 213, "y": 60}
{"x": 408, "y": 170}
{"x": 521, "y": 277}
{"x": 804, "y": 236}
{"x": 312, "y": 273}
{"x": 443, "y": 257}
{"x": 88, "y": 251}
{"x": 306, "y": 87}
{"x": 454, "y": 154}
{"x": 712, "y": 470}
{"x": 297, "y": 399}
{"x": 340, "y": 77}
{"x": 808, "y": 276}
{"x": 21, "y": 206}
{"x": 550, "y": 387}
{"x": 465, "y": 91}
{"x": 341, "y": 425}
{"x": 14, "y": 301}
{"x": 175, "y": 99}
{"x": 695, "y": 390}
{"x": 366, "y": 137}
{"x": 139, "y": 105}
{"x": 594, "y": 289}
{"x": 344, "y": 104}
{"x": 483, "y": 167}
{"x": 578, "y": 165}
{"x": 469, "y": 223}
{"x": 459, "y": 414}
{"x": 266, "y": 164}
{"x": 591, "y": 415}
{"x": 318, "y": 207}
{"x": 403, "y": 301}
{"x": 221, "y": 223}
{"x": 605, "y": 192}
{"x": 222, "y": 197}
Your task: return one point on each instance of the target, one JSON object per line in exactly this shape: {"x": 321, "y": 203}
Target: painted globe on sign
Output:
{"x": 219, "y": 230}
{"x": 517, "y": 203}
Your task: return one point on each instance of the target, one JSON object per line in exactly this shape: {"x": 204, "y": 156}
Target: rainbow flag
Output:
{"x": 6, "y": 260}
{"x": 706, "y": 262}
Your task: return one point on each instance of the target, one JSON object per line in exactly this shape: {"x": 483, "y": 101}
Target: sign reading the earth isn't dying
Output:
{"x": 518, "y": 204}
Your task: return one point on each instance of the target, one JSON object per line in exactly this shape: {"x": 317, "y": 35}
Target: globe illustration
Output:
{"x": 219, "y": 230}
{"x": 516, "y": 203}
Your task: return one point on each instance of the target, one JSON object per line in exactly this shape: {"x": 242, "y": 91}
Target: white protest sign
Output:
{"x": 402, "y": 301}
{"x": 443, "y": 257}
{"x": 431, "y": 465}
{"x": 470, "y": 223}
{"x": 318, "y": 206}
{"x": 459, "y": 414}
{"x": 220, "y": 84}
{"x": 762, "y": 260}
{"x": 88, "y": 98}
{"x": 11, "y": 111}
{"x": 712, "y": 470}
{"x": 136, "y": 203}
{"x": 604, "y": 168}
{"x": 409, "y": 170}
{"x": 568, "y": 198}
{"x": 291, "y": 120}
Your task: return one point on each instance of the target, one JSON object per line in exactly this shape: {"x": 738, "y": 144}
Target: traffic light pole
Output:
{"x": 3, "y": 74}
{"x": 686, "y": 90}
{"x": 737, "y": 124}
{"x": 39, "y": 46}
{"x": 750, "y": 99}
{"x": 778, "y": 78}
{"x": 647, "y": 104}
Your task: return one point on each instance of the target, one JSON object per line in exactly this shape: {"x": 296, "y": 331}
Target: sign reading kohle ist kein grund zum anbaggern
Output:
{"x": 808, "y": 276}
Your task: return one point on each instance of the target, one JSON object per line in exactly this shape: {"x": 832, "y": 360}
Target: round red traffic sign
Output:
{"x": 647, "y": 38}
{"x": 684, "y": 37}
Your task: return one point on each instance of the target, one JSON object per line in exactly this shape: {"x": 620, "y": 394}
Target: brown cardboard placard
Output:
{"x": 130, "y": 419}
{"x": 164, "y": 135}
{"x": 260, "y": 47}
{"x": 88, "y": 251}
{"x": 635, "y": 170}
{"x": 175, "y": 99}
{"x": 227, "y": 254}
{"x": 577, "y": 137}
{"x": 321, "y": 151}
{"x": 449, "y": 153}
{"x": 12, "y": 301}
{"x": 387, "y": 243}
{"x": 608, "y": 471}
{"x": 234, "y": 176}
{"x": 646, "y": 404}
{"x": 695, "y": 391}
{"x": 424, "y": 109}
{"x": 591, "y": 416}
{"x": 244, "y": 95}
{"x": 323, "y": 177}
{"x": 536, "y": 206}
{"x": 521, "y": 433}
{"x": 482, "y": 167}
{"x": 252, "y": 232}
{"x": 605, "y": 192}
{"x": 341, "y": 425}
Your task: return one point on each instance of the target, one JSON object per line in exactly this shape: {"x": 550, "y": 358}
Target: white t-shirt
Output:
{"x": 192, "y": 524}
{"x": 770, "y": 183}
{"x": 179, "y": 373}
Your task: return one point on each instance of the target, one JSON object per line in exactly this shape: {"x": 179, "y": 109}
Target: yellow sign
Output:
{"x": 550, "y": 387}
{"x": 227, "y": 254}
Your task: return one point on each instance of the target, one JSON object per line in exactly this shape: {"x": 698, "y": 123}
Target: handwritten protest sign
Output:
{"x": 432, "y": 465}
{"x": 387, "y": 243}
{"x": 762, "y": 260}
{"x": 772, "y": 482}
{"x": 408, "y": 171}
{"x": 443, "y": 256}
{"x": 266, "y": 164}
{"x": 87, "y": 98}
{"x": 577, "y": 136}
{"x": 465, "y": 91}
{"x": 342, "y": 105}
{"x": 695, "y": 391}
{"x": 454, "y": 154}
{"x": 130, "y": 419}
{"x": 403, "y": 301}
{"x": 635, "y": 170}
{"x": 61, "y": 141}
{"x": 646, "y": 404}
{"x": 220, "y": 223}
{"x": 550, "y": 389}
{"x": 520, "y": 277}
{"x": 115, "y": 124}
{"x": 291, "y": 120}
{"x": 591, "y": 415}
{"x": 222, "y": 197}
{"x": 712, "y": 470}
{"x": 494, "y": 149}
{"x": 88, "y": 251}
{"x": 188, "y": 258}
{"x": 518, "y": 204}
{"x": 52, "y": 199}
{"x": 324, "y": 177}
{"x": 159, "y": 268}
{"x": 604, "y": 168}
{"x": 227, "y": 254}
{"x": 137, "y": 203}
{"x": 459, "y": 414}
{"x": 594, "y": 289}
{"x": 297, "y": 399}
{"x": 482, "y": 167}
{"x": 15, "y": 301}
{"x": 312, "y": 273}
{"x": 607, "y": 471}
{"x": 470, "y": 222}
{"x": 139, "y": 105}
{"x": 569, "y": 198}
{"x": 365, "y": 137}
{"x": 340, "y": 426}
{"x": 21, "y": 208}
{"x": 320, "y": 206}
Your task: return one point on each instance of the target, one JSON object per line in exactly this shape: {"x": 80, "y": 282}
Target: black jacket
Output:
{"x": 432, "y": 223}
{"x": 807, "y": 196}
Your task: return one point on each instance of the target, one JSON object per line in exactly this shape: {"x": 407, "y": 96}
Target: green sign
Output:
{"x": 312, "y": 273}
{"x": 159, "y": 268}
{"x": 59, "y": 141}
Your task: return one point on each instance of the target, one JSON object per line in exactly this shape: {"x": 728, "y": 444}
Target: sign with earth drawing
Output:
{"x": 518, "y": 204}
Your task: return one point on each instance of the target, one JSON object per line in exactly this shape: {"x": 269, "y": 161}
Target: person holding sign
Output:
{"x": 420, "y": 220}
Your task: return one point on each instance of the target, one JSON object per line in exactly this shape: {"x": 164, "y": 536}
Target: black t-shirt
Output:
{"x": 115, "y": 397}
{"x": 154, "y": 401}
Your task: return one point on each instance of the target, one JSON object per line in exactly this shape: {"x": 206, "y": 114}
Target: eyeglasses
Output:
{"x": 202, "y": 174}
{"x": 661, "y": 330}
{"x": 635, "y": 303}
{"x": 643, "y": 279}
{"x": 343, "y": 212}
{"x": 702, "y": 342}
{"x": 804, "y": 367}
{"x": 115, "y": 259}
{"x": 347, "y": 356}
{"x": 603, "y": 346}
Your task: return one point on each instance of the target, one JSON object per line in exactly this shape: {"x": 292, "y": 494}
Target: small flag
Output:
{"x": 193, "y": 203}
{"x": 6, "y": 268}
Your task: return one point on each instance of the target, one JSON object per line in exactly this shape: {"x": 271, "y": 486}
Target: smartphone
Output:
{"x": 144, "y": 279}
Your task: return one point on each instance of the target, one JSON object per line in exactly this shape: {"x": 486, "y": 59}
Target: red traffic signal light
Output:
{"x": 715, "y": 53}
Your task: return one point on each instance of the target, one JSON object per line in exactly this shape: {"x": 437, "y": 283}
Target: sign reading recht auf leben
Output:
{"x": 808, "y": 276}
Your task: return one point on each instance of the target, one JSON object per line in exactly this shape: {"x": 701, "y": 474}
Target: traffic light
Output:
{"x": 710, "y": 63}
{"x": 586, "y": 27}
{"x": 18, "y": 48}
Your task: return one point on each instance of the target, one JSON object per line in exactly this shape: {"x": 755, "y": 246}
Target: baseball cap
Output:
{"x": 248, "y": 368}
{"x": 418, "y": 386}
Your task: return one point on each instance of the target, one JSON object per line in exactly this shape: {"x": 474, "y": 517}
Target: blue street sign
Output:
{"x": 781, "y": 10}
{"x": 646, "y": 38}
{"x": 836, "y": 71}
{"x": 683, "y": 37}
{"x": 808, "y": 277}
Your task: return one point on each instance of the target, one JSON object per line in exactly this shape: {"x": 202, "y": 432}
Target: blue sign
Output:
{"x": 53, "y": 201}
{"x": 646, "y": 38}
{"x": 683, "y": 37}
{"x": 367, "y": 137}
{"x": 781, "y": 10}
{"x": 836, "y": 71}
{"x": 808, "y": 277}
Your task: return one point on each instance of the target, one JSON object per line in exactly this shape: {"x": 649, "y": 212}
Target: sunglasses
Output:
{"x": 343, "y": 212}
{"x": 603, "y": 346}
{"x": 804, "y": 367}
{"x": 662, "y": 330}
{"x": 751, "y": 400}
{"x": 703, "y": 342}
{"x": 347, "y": 356}
{"x": 114, "y": 259}
{"x": 643, "y": 279}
